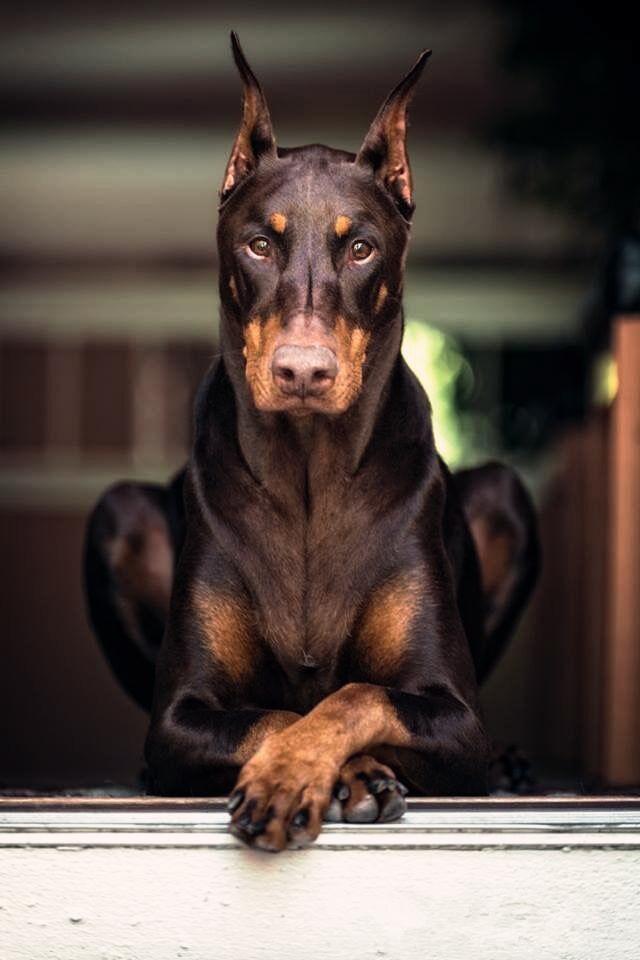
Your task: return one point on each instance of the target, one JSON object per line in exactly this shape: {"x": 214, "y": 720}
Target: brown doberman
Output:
{"x": 308, "y": 608}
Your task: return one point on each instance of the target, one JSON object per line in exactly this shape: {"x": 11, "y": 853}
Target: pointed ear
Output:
{"x": 255, "y": 136}
{"x": 385, "y": 145}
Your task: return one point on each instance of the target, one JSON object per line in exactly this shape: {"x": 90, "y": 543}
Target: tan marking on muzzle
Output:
{"x": 352, "y": 351}
{"x": 259, "y": 343}
{"x": 279, "y": 222}
{"x": 342, "y": 225}
{"x": 383, "y": 292}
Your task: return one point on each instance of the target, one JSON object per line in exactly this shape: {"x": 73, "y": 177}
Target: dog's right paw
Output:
{"x": 366, "y": 792}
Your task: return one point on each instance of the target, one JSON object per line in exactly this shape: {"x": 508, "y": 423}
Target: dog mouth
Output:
{"x": 303, "y": 406}
{"x": 300, "y": 403}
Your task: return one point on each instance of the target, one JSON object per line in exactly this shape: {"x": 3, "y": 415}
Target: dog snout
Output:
{"x": 304, "y": 371}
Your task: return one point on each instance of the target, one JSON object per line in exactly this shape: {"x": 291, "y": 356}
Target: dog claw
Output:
{"x": 235, "y": 800}
{"x": 342, "y": 791}
{"x": 300, "y": 820}
{"x": 381, "y": 784}
{"x": 249, "y": 827}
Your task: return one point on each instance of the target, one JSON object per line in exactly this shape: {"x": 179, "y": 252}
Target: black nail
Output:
{"x": 341, "y": 791}
{"x": 235, "y": 800}
{"x": 380, "y": 784}
{"x": 256, "y": 827}
{"x": 301, "y": 819}
{"x": 245, "y": 819}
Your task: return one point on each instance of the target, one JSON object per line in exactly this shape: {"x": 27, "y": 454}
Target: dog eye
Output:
{"x": 260, "y": 247}
{"x": 361, "y": 250}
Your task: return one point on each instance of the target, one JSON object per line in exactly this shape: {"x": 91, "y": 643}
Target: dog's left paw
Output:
{"x": 366, "y": 792}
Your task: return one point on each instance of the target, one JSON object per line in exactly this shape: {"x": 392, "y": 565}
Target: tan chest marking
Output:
{"x": 227, "y": 631}
{"x": 385, "y": 627}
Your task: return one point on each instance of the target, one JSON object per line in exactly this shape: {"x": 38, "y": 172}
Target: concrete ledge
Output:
{"x": 485, "y": 879}
{"x": 481, "y": 823}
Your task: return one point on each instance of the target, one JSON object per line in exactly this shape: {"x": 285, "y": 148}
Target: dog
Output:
{"x": 309, "y": 607}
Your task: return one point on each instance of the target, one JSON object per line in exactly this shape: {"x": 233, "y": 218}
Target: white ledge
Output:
{"x": 491, "y": 879}
{"x": 523, "y": 823}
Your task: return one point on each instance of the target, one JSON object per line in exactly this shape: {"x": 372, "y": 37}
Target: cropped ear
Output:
{"x": 255, "y": 136}
{"x": 385, "y": 145}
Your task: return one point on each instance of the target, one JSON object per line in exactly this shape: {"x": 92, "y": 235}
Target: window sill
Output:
{"x": 526, "y": 823}
{"x": 492, "y": 879}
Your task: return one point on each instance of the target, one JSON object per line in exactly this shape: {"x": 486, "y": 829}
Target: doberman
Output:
{"x": 321, "y": 595}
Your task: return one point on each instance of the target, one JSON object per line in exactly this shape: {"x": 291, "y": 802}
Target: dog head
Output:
{"x": 312, "y": 243}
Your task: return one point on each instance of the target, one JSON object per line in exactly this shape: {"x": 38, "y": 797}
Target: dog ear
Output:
{"x": 385, "y": 145}
{"x": 255, "y": 136}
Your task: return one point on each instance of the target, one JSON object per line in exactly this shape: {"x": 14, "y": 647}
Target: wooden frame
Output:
{"x": 621, "y": 720}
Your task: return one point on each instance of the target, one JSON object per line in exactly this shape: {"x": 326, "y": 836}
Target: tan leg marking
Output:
{"x": 271, "y": 723}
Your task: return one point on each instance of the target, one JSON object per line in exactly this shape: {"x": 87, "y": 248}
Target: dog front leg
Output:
{"x": 284, "y": 790}
{"x": 195, "y": 749}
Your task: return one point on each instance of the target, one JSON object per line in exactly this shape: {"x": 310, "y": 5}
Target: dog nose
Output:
{"x": 304, "y": 371}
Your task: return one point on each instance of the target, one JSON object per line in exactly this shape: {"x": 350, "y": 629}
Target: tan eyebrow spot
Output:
{"x": 279, "y": 222}
{"x": 342, "y": 225}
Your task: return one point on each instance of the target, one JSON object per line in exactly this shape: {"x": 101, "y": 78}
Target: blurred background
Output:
{"x": 525, "y": 148}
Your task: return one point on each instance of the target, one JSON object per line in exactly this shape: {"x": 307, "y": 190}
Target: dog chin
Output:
{"x": 299, "y": 409}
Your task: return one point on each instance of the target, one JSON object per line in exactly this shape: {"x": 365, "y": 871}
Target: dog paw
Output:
{"x": 280, "y": 799}
{"x": 366, "y": 792}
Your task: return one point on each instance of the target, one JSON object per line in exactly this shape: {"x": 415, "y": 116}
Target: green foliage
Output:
{"x": 445, "y": 374}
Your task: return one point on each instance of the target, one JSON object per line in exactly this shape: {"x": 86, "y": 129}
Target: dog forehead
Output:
{"x": 313, "y": 188}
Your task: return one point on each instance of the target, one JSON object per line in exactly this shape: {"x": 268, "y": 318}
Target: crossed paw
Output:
{"x": 280, "y": 802}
